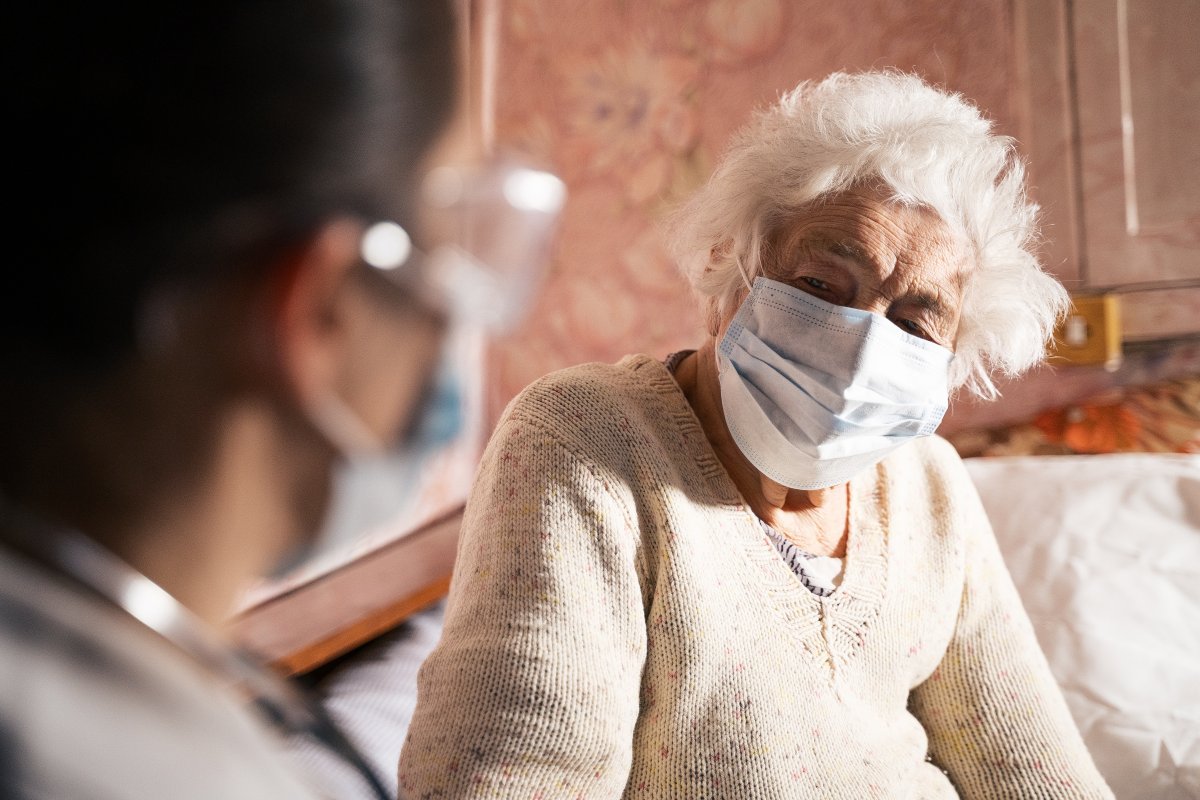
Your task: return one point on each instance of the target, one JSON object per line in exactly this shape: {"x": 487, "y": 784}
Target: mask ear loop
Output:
{"x": 715, "y": 312}
{"x": 737, "y": 259}
{"x": 756, "y": 245}
{"x": 342, "y": 427}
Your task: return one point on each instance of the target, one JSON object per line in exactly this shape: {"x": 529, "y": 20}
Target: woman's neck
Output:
{"x": 813, "y": 519}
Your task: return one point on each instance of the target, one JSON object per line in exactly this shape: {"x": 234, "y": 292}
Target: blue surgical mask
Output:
{"x": 813, "y": 393}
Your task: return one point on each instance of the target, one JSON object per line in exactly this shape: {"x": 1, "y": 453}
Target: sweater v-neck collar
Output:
{"x": 831, "y": 628}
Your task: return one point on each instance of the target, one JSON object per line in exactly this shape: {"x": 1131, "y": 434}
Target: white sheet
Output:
{"x": 1106, "y": 553}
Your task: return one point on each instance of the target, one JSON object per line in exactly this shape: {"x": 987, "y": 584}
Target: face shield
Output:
{"x": 491, "y": 227}
{"x": 494, "y": 223}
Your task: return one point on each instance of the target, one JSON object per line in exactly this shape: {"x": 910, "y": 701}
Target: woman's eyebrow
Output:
{"x": 853, "y": 252}
{"x": 848, "y": 250}
{"x": 929, "y": 302}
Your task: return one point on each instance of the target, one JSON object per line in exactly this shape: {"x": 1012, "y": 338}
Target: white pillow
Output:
{"x": 1105, "y": 551}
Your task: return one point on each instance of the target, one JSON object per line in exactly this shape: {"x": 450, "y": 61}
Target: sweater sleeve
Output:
{"x": 533, "y": 690}
{"x": 996, "y": 719}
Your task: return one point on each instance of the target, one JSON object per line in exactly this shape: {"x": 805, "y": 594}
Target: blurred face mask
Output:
{"x": 814, "y": 393}
{"x": 498, "y": 221}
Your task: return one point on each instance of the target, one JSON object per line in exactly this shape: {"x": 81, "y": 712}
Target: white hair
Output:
{"x": 930, "y": 148}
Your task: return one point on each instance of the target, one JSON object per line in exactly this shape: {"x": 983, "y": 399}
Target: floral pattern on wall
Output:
{"x": 632, "y": 102}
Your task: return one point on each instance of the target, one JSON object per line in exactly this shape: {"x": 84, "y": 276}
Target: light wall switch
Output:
{"x": 1091, "y": 333}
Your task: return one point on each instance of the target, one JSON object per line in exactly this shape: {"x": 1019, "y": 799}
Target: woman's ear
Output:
{"x": 712, "y": 317}
{"x": 720, "y": 251}
{"x": 306, "y": 327}
{"x": 712, "y": 314}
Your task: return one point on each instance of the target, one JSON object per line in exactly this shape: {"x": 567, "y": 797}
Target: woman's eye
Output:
{"x": 909, "y": 326}
{"x": 816, "y": 283}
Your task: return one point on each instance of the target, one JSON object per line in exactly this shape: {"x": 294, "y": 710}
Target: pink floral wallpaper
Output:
{"x": 632, "y": 101}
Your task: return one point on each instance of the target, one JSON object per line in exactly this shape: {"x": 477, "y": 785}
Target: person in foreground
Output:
{"x": 750, "y": 571}
{"x": 192, "y": 339}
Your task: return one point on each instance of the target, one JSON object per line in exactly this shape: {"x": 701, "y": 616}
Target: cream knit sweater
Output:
{"x": 620, "y": 626}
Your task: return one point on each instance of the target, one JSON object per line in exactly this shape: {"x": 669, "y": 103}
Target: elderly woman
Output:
{"x": 749, "y": 571}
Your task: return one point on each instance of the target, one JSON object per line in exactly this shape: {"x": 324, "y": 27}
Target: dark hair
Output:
{"x": 196, "y": 139}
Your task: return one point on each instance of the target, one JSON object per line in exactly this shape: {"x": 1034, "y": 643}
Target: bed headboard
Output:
{"x": 1163, "y": 417}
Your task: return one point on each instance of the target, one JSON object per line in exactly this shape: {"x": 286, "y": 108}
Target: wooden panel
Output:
{"x": 1137, "y": 72}
{"x": 1047, "y": 133}
{"x": 321, "y": 620}
{"x": 1160, "y": 314}
{"x": 1162, "y": 73}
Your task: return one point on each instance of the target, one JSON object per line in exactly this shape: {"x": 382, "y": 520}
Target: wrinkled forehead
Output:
{"x": 871, "y": 229}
